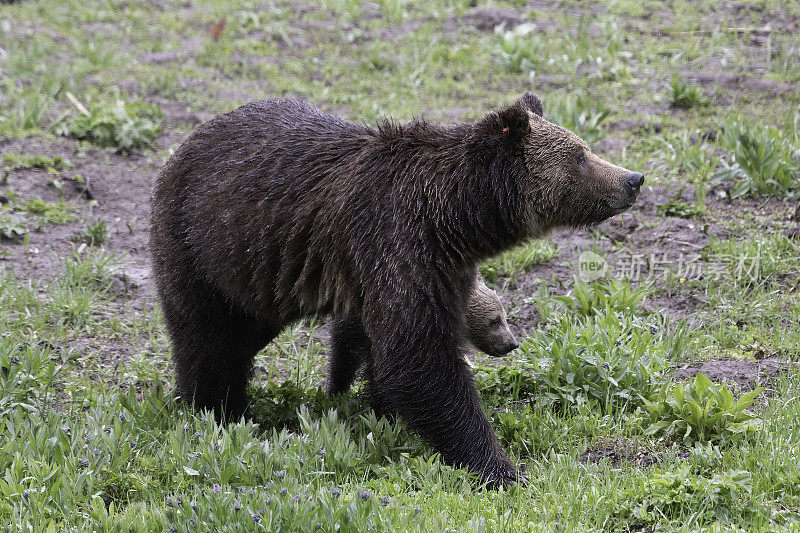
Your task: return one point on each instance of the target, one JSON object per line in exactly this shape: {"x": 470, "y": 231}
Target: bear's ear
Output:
{"x": 514, "y": 121}
{"x": 530, "y": 102}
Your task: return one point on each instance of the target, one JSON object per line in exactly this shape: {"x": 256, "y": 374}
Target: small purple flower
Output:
{"x": 336, "y": 492}
{"x": 169, "y": 502}
{"x": 198, "y": 433}
{"x": 365, "y": 495}
{"x": 606, "y": 366}
{"x": 191, "y": 521}
{"x": 96, "y": 451}
{"x": 87, "y": 438}
{"x": 237, "y": 506}
{"x": 194, "y": 506}
{"x": 268, "y": 501}
{"x": 279, "y": 474}
{"x": 283, "y": 491}
{"x": 198, "y": 454}
{"x": 385, "y": 501}
{"x": 14, "y": 360}
{"x": 123, "y": 417}
{"x": 296, "y": 497}
{"x": 25, "y": 494}
{"x": 242, "y": 488}
{"x": 417, "y": 509}
{"x": 83, "y": 463}
{"x": 216, "y": 489}
{"x": 186, "y": 427}
{"x": 178, "y": 501}
{"x": 132, "y": 443}
{"x": 172, "y": 529}
{"x": 216, "y": 447}
{"x": 321, "y": 453}
{"x": 256, "y": 517}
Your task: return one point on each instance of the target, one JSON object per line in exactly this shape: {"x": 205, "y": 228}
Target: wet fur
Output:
{"x": 276, "y": 211}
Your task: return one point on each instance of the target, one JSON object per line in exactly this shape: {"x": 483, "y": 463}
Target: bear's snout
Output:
{"x": 633, "y": 181}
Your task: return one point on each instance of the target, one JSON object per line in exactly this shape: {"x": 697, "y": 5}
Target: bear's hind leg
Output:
{"x": 214, "y": 344}
{"x": 350, "y": 348}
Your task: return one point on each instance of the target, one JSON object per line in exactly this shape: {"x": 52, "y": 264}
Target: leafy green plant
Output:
{"x": 130, "y": 125}
{"x": 518, "y": 260}
{"x": 582, "y": 117}
{"x": 53, "y": 165}
{"x": 602, "y": 297}
{"x": 681, "y": 494}
{"x": 702, "y": 411}
{"x": 11, "y": 226}
{"x": 611, "y": 360}
{"x": 765, "y": 162}
{"x": 519, "y": 48}
{"x": 54, "y": 213}
{"x": 678, "y": 208}
{"x": 681, "y": 95}
{"x": 94, "y": 234}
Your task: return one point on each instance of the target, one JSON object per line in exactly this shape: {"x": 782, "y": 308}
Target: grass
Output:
{"x": 91, "y": 437}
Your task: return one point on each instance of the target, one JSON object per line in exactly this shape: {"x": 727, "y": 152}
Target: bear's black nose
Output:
{"x": 513, "y": 345}
{"x": 634, "y": 181}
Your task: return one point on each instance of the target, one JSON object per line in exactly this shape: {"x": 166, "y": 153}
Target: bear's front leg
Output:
{"x": 421, "y": 375}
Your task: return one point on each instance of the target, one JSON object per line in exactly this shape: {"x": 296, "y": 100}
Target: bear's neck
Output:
{"x": 466, "y": 188}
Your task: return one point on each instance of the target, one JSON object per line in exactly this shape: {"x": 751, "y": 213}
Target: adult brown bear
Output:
{"x": 277, "y": 211}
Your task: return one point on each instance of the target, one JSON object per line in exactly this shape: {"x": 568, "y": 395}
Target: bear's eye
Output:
{"x": 495, "y": 322}
{"x": 581, "y": 158}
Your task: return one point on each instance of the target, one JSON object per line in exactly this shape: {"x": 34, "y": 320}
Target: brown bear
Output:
{"x": 487, "y": 330}
{"x": 276, "y": 211}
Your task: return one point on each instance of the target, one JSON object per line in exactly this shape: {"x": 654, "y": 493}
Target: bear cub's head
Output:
{"x": 487, "y": 327}
{"x": 565, "y": 183}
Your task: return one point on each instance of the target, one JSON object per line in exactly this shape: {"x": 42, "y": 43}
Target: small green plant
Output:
{"x": 53, "y": 213}
{"x": 600, "y": 297}
{"x": 678, "y": 208}
{"x": 519, "y": 48}
{"x": 609, "y": 360}
{"x": 518, "y": 260}
{"x": 682, "y": 494}
{"x": 686, "y": 97}
{"x": 94, "y": 234}
{"x": 702, "y": 411}
{"x": 131, "y": 125}
{"x": 11, "y": 227}
{"x": 17, "y": 162}
{"x": 582, "y": 117}
{"x": 765, "y": 162}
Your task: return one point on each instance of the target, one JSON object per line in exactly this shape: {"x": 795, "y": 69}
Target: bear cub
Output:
{"x": 486, "y": 329}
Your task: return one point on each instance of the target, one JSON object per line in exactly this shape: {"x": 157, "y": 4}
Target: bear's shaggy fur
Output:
{"x": 277, "y": 211}
{"x": 487, "y": 330}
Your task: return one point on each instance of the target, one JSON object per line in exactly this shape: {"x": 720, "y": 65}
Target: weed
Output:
{"x": 11, "y": 226}
{"x": 609, "y": 360}
{"x": 53, "y": 213}
{"x": 518, "y": 260}
{"x": 764, "y": 161}
{"x": 131, "y": 125}
{"x": 702, "y": 412}
{"x": 582, "y": 117}
{"x": 13, "y": 162}
{"x": 678, "y": 208}
{"x": 686, "y": 97}
{"x": 590, "y": 299}
{"x": 687, "y": 497}
{"x": 519, "y": 48}
{"x": 94, "y": 234}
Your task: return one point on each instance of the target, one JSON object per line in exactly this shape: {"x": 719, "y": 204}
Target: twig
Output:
{"x": 79, "y": 106}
